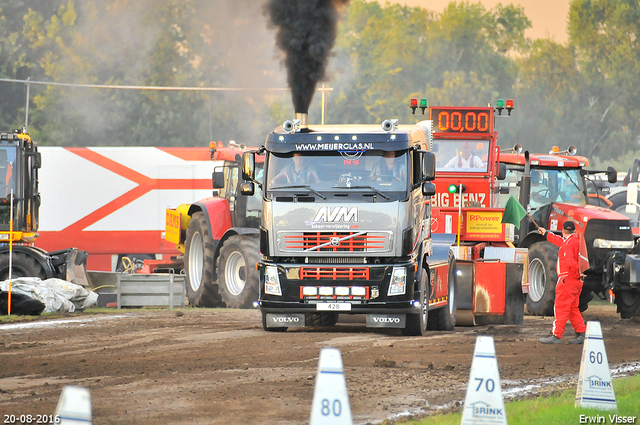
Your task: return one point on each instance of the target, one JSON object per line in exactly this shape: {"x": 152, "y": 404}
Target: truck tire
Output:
{"x": 416, "y": 324}
{"x": 237, "y": 275}
{"x": 444, "y": 318}
{"x": 267, "y": 329}
{"x": 628, "y": 303}
{"x": 202, "y": 291}
{"x": 23, "y": 265}
{"x": 543, "y": 277}
{"x": 321, "y": 319}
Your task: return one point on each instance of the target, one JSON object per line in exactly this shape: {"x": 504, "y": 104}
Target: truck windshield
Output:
{"x": 461, "y": 155}
{"x": 7, "y": 171}
{"x": 7, "y": 182}
{"x": 547, "y": 186}
{"x": 374, "y": 170}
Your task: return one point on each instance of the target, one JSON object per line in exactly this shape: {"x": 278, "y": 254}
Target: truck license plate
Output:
{"x": 333, "y": 307}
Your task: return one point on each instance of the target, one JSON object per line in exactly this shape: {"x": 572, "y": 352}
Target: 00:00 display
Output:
{"x": 472, "y": 122}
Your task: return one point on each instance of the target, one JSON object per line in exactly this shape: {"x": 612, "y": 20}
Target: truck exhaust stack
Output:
{"x": 304, "y": 120}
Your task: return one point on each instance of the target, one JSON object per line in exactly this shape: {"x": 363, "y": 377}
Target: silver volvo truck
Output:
{"x": 345, "y": 228}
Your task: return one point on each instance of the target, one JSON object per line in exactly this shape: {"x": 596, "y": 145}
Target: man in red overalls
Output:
{"x": 568, "y": 287}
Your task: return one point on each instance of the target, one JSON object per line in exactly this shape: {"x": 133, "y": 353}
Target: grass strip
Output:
{"x": 559, "y": 409}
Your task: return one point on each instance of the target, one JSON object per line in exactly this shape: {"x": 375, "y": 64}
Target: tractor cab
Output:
{"x": 19, "y": 163}
{"x": 245, "y": 210}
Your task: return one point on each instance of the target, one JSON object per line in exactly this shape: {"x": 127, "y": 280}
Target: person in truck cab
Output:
{"x": 465, "y": 159}
{"x": 389, "y": 167}
{"x": 296, "y": 172}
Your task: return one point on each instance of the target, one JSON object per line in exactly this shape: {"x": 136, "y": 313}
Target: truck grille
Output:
{"x": 336, "y": 242}
{"x": 334, "y": 273}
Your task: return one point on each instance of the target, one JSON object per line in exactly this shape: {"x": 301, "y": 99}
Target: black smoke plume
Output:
{"x": 305, "y": 32}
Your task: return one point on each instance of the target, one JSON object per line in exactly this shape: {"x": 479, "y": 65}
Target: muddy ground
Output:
{"x": 203, "y": 366}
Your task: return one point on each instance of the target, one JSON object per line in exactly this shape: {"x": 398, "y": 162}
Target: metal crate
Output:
{"x": 142, "y": 290}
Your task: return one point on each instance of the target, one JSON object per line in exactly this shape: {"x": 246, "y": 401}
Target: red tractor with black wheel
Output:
{"x": 220, "y": 238}
{"x": 554, "y": 189}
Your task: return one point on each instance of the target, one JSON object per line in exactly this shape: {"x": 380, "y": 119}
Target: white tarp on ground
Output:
{"x": 58, "y": 296}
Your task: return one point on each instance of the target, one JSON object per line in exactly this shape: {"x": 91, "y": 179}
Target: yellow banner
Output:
{"x": 172, "y": 227}
{"x": 484, "y": 222}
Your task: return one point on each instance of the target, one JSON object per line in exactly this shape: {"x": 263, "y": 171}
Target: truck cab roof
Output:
{"x": 346, "y": 137}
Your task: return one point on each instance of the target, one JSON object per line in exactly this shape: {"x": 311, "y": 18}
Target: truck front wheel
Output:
{"x": 23, "y": 266}
{"x": 198, "y": 260}
{"x": 237, "y": 274}
{"x": 417, "y": 323}
{"x": 543, "y": 257}
{"x": 628, "y": 303}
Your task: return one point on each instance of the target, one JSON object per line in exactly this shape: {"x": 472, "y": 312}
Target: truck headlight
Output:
{"x": 607, "y": 244}
{"x": 398, "y": 284}
{"x": 272, "y": 281}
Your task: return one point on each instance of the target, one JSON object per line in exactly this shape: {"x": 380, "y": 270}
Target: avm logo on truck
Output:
{"x": 333, "y": 215}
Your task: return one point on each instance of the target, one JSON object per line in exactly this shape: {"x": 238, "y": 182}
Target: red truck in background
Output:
{"x": 466, "y": 216}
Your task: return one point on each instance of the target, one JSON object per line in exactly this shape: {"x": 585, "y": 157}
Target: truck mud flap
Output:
{"x": 289, "y": 320}
{"x": 465, "y": 278}
{"x": 441, "y": 243}
{"x": 386, "y": 320}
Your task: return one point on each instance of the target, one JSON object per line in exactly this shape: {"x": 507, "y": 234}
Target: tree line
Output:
{"x": 580, "y": 93}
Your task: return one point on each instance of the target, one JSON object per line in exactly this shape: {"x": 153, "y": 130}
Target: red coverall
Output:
{"x": 569, "y": 285}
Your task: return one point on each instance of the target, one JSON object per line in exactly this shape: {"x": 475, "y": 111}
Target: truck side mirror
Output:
{"x": 248, "y": 166}
{"x": 428, "y": 189}
{"x": 247, "y": 189}
{"x": 612, "y": 175}
{"x": 429, "y": 166}
{"x": 218, "y": 179}
{"x": 502, "y": 171}
{"x": 37, "y": 160}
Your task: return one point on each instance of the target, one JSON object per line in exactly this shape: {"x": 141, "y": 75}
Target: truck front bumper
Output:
{"x": 339, "y": 288}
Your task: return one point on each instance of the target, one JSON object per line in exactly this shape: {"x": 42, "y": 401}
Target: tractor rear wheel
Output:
{"x": 23, "y": 265}
{"x": 237, "y": 275}
{"x": 543, "y": 276}
{"x": 202, "y": 291}
{"x": 628, "y": 303}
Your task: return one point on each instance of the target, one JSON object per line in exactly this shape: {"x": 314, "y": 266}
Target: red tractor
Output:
{"x": 553, "y": 188}
{"x": 219, "y": 237}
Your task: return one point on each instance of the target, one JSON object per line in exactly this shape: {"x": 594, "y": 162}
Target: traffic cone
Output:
{"x": 595, "y": 389}
{"x": 330, "y": 404}
{"x": 483, "y": 403}
{"x": 74, "y": 406}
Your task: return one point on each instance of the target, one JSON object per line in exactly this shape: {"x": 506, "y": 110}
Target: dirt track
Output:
{"x": 198, "y": 366}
